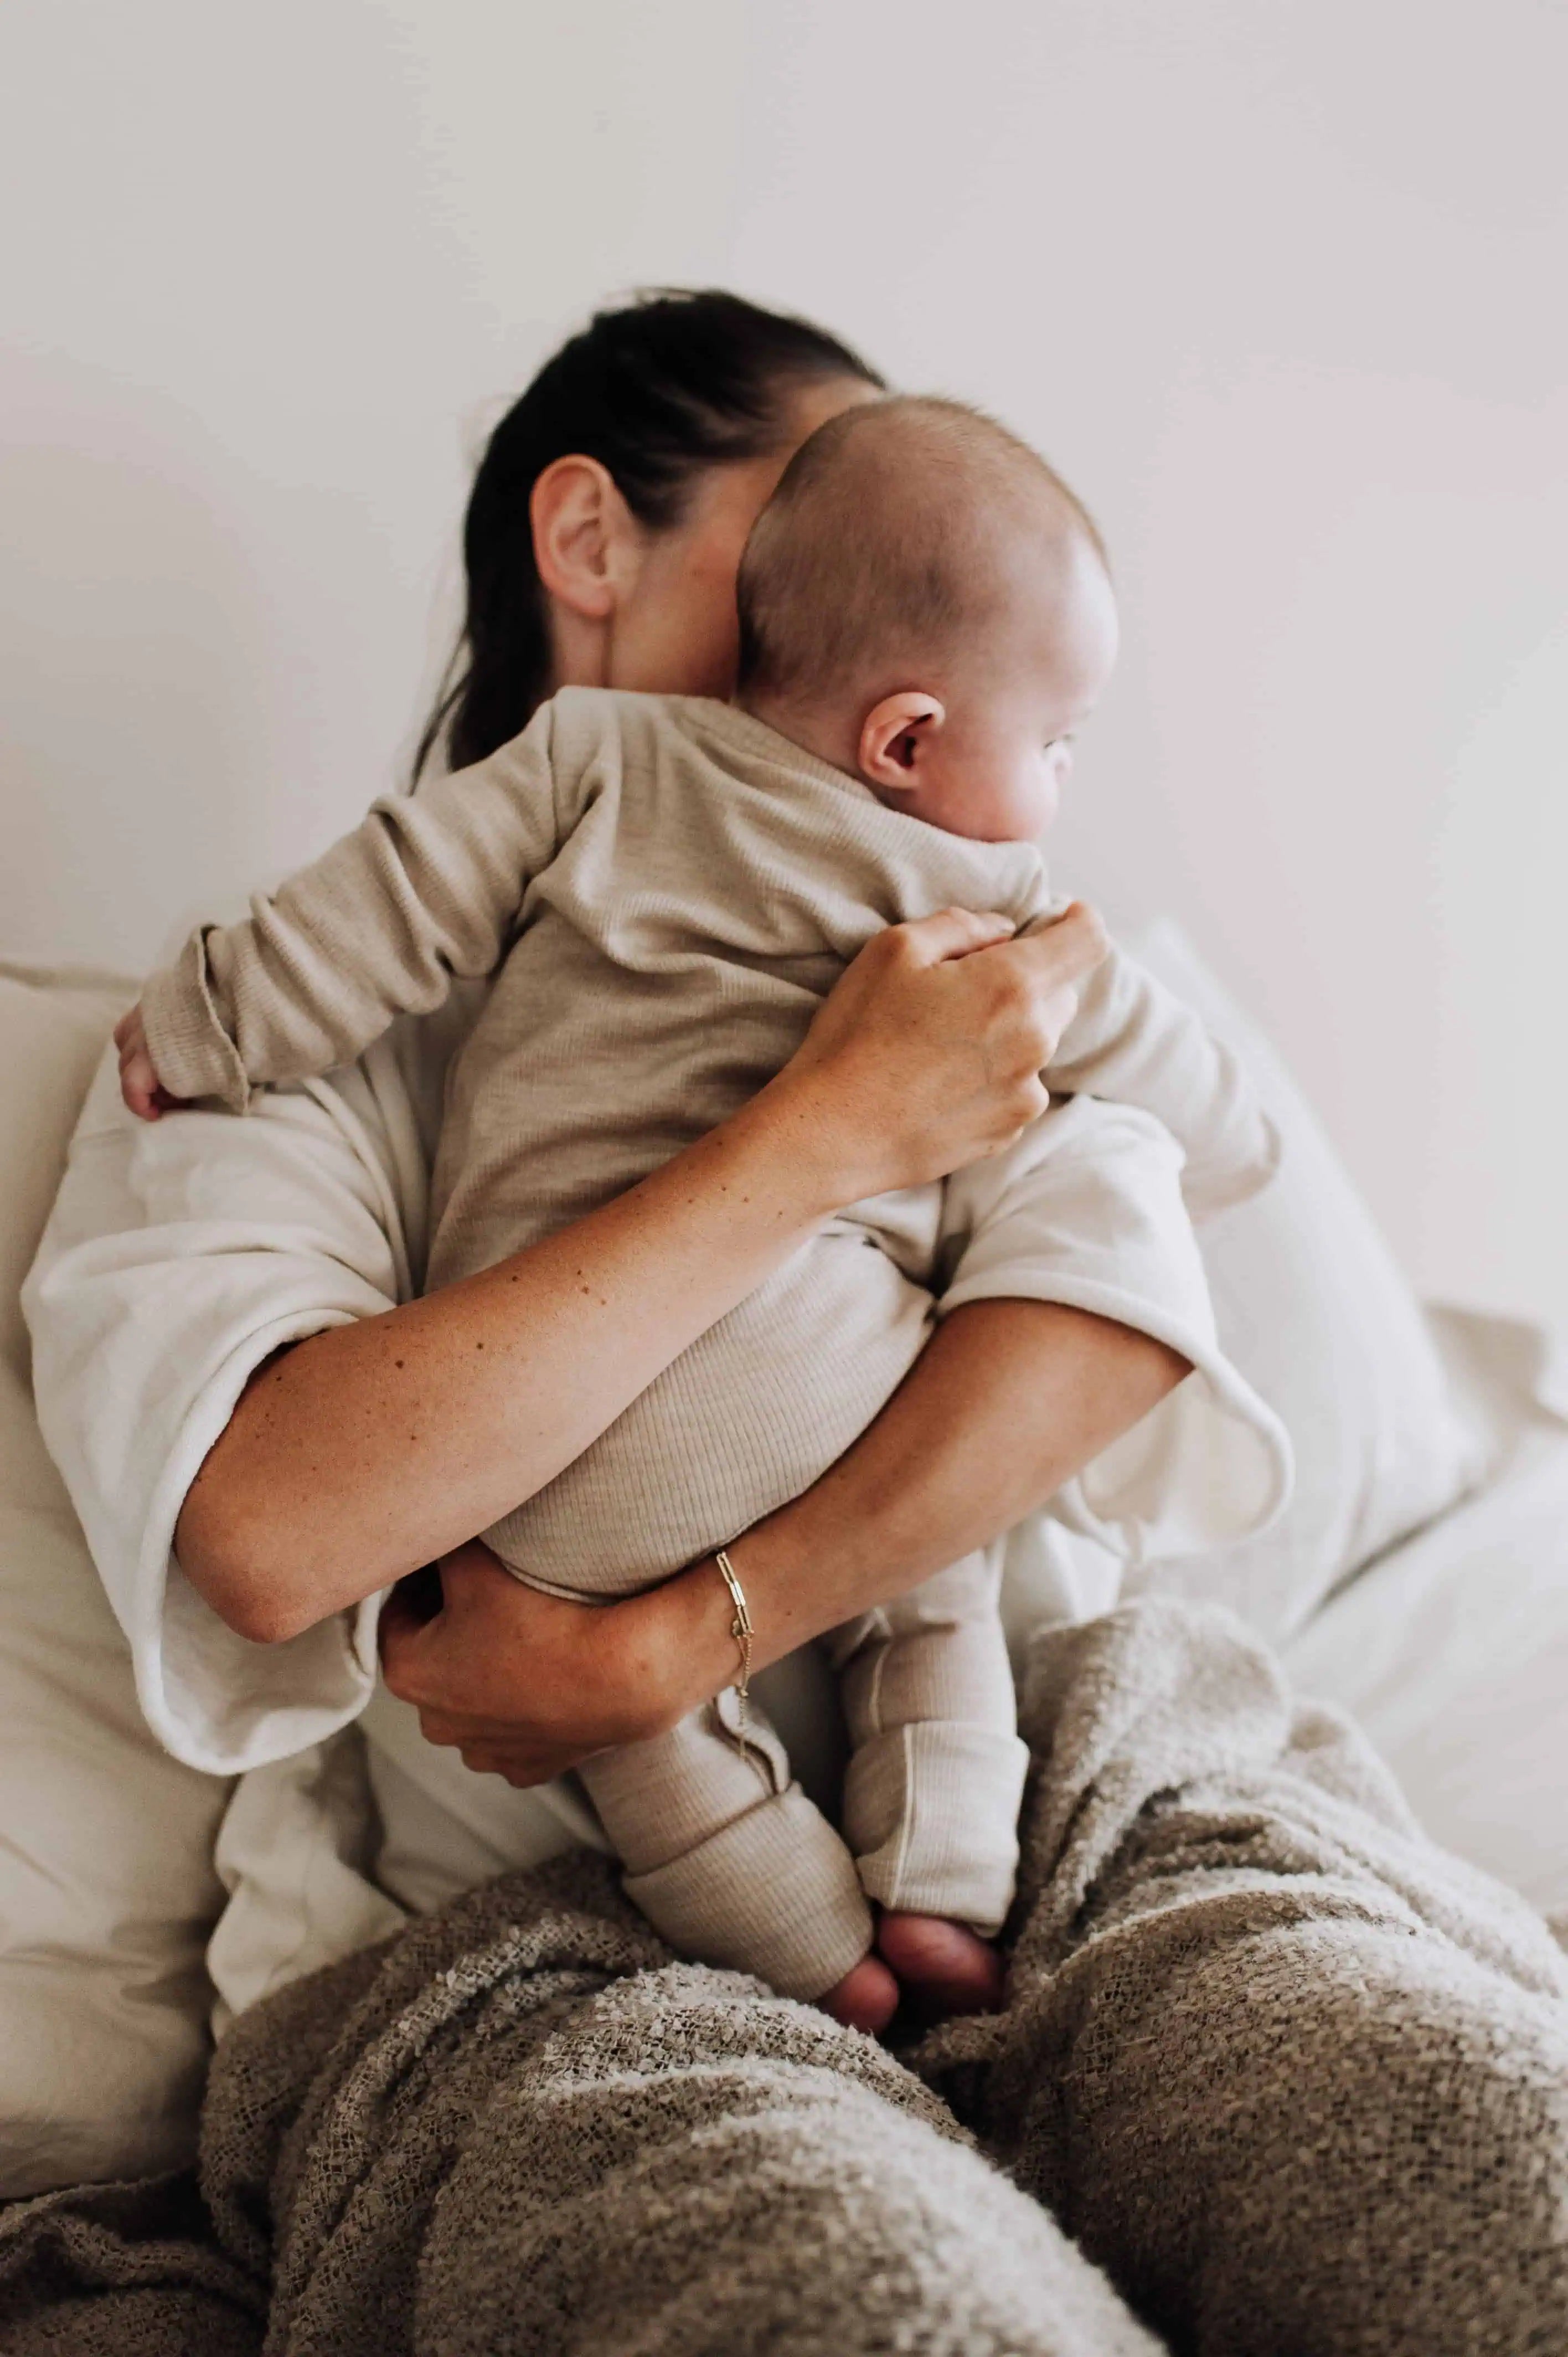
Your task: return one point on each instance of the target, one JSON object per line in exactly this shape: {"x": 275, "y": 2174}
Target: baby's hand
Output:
{"x": 139, "y": 1083}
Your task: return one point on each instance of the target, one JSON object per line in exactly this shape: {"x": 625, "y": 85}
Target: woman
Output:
{"x": 209, "y": 1367}
{"x": 601, "y": 541}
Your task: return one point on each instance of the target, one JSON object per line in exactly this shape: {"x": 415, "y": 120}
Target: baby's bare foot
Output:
{"x": 945, "y": 1967}
{"x": 866, "y": 1998}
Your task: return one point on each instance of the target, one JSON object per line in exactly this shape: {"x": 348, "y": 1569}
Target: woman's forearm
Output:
{"x": 1008, "y": 1401}
{"x": 371, "y": 1449}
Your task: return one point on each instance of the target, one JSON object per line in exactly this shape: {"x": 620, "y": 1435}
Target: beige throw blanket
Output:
{"x": 1294, "y": 2079}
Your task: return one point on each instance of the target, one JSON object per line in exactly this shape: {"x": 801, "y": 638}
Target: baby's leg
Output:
{"x": 751, "y": 1413}
{"x": 724, "y": 1853}
{"x": 936, "y": 1774}
{"x": 728, "y": 1858}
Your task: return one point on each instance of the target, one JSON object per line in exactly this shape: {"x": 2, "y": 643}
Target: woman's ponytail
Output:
{"x": 656, "y": 391}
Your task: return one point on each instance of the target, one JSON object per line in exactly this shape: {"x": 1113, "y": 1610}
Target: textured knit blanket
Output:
{"x": 1274, "y": 2075}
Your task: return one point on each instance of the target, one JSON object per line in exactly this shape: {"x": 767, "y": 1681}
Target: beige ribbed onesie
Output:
{"x": 663, "y": 889}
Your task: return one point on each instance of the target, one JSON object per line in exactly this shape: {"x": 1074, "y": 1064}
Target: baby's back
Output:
{"x": 711, "y": 885}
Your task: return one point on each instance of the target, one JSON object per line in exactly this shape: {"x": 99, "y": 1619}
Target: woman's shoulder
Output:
{"x": 577, "y": 723}
{"x": 339, "y": 1166}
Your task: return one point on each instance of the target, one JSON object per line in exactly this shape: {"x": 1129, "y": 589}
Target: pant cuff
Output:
{"x": 774, "y": 1892}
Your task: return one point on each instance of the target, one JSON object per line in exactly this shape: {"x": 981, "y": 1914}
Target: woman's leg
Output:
{"x": 1296, "y": 2079}
{"x": 520, "y": 2130}
{"x": 690, "y": 2167}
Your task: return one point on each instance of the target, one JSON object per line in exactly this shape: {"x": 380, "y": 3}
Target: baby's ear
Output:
{"x": 896, "y": 738}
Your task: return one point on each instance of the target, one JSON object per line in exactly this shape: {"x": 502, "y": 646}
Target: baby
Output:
{"x": 663, "y": 889}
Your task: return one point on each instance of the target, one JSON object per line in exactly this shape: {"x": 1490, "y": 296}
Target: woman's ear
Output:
{"x": 898, "y": 738}
{"x": 585, "y": 540}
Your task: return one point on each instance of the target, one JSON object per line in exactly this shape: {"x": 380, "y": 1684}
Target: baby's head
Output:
{"x": 925, "y": 605}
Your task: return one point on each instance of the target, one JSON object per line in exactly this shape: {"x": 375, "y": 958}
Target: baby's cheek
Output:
{"x": 1023, "y": 815}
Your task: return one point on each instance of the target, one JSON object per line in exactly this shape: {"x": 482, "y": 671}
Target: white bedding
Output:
{"x": 1453, "y": 1650}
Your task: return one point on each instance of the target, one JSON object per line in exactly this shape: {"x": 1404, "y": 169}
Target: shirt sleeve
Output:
{"x": 1134, "y": 1042}
{"x": 178, "y": 1257}
{"x": 1086, "y": 1210}
{"x": 424, "y": 890}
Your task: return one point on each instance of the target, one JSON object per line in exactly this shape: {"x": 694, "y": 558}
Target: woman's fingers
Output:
{"x": 1023, "y": 995}
{"x": 923, "y": 1057}
{"x": 1070, "y": 946}
{"x": 518, "y": 1764}
{"x": 1031, "y": 983}
{"x": 949, "y": 933}
{"x": 423, "y": 1659}
{"x": 445, "y": 1661}
{"x": 399, "y": 1633}
{"x": 1061, "y": 951}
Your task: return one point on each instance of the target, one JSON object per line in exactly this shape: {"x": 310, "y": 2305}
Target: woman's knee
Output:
{"x": 1330, "y": 2124}
{"x": 740, "y": 2174}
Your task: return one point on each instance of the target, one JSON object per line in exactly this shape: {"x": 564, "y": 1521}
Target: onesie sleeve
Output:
{"x": 1134, "y": 1042}
{"x": 425, "y": 892}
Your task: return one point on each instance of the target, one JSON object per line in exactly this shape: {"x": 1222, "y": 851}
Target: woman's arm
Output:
{"x": 928, "y": 1480}
{"x": 367, "y": 1450}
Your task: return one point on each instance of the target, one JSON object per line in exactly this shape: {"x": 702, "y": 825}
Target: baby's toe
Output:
{"x": 866, "y": 1998}
{"x": 948, "y": 1968}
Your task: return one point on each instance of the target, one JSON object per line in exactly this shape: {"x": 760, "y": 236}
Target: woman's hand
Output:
{"x": 525, "y": 1685}
{"x": 928, "y": 1053}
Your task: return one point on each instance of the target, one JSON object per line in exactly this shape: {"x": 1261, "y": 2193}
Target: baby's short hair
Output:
{"x": 888, "y": 537}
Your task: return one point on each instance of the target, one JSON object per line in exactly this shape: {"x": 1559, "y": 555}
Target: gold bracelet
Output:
{"x": 740, "y": 1630}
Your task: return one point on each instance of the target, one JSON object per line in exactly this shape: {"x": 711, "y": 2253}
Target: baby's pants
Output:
{"x": 728, "y": 1858}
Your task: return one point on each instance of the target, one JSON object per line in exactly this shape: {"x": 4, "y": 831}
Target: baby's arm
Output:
{"x": 1134, "y": 1042}
{"x": 423, "y": 891}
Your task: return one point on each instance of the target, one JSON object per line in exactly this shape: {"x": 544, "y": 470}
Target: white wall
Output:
{"x": 1277, "y": 282}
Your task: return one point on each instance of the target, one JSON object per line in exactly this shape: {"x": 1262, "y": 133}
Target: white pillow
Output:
{"x": 107, "y": 1892}
{"x": 1317, "y": 1315}
{"x": 1453, "y": 1650}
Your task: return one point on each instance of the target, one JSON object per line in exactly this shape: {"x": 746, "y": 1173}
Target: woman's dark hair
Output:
{"x": 656, "y": 390}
